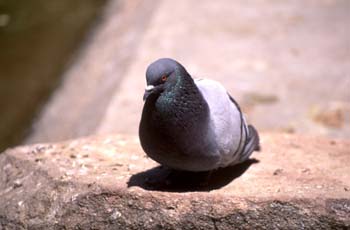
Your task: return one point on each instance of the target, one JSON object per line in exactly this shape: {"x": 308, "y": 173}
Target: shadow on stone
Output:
{"x": 164, "y": 179}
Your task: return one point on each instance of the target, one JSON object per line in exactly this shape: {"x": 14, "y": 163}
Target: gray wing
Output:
{"x": 252, "y": 140}
{"x": 235, "y": 140}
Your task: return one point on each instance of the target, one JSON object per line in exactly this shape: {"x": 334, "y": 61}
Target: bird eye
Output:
{"x": 164, "y": 78}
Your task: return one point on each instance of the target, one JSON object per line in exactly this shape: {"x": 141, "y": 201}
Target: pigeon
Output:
{"x": 192, "y": 125}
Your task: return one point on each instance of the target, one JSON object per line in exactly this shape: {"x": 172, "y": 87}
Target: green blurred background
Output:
{"x": 37, "y": 40}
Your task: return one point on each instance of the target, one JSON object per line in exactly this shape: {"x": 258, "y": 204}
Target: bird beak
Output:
{"x": 148, "y": 91}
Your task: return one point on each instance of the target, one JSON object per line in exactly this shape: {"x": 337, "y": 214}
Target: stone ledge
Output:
{"x": 108, "y": 182}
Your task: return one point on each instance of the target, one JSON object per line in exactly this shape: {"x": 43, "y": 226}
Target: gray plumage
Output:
{"x": 192, "y": 125}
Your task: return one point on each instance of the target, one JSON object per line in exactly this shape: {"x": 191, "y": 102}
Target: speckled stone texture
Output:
{"x": 107, "y": 182}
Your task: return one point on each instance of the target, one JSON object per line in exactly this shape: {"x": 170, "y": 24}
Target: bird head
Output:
{"x": 161, "y": 75}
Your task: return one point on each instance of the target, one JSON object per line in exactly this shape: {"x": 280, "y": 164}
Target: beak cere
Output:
{"x": 149, "y": 87}
{"x": 148, "y": 91}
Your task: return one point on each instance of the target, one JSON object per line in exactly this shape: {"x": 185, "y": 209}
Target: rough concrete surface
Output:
{"x": 107, "y": 182}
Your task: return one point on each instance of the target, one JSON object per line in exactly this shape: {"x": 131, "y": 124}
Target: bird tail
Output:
{"x": 252, "y": 143}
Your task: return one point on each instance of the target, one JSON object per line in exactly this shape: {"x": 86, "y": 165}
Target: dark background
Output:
{"x": 37, "y": 40}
